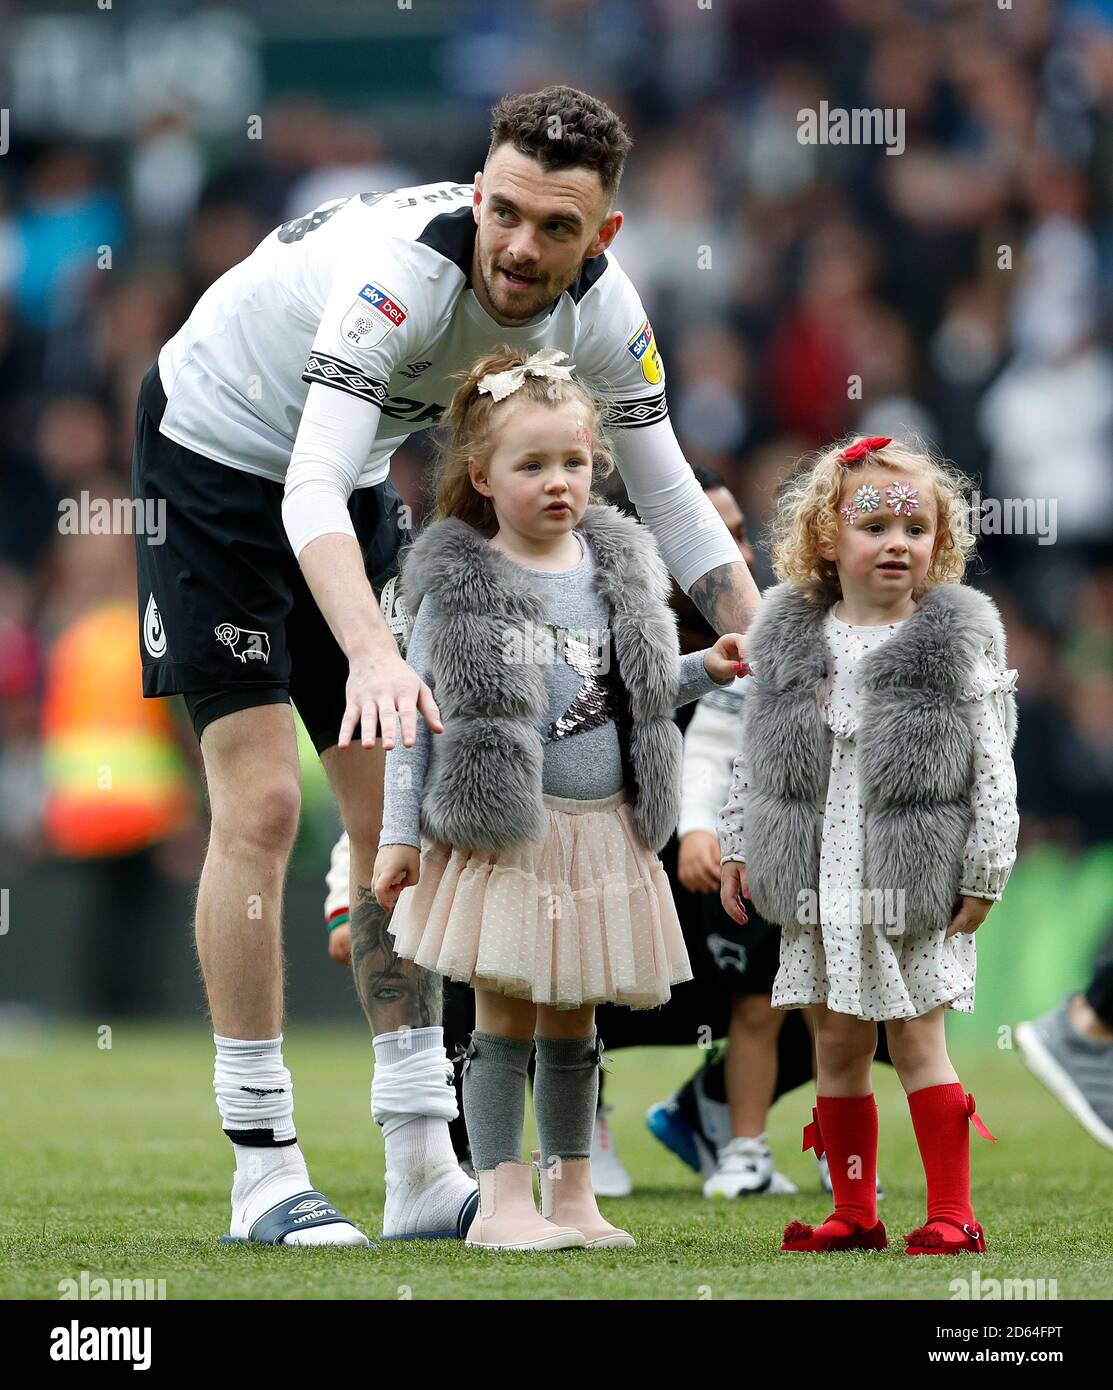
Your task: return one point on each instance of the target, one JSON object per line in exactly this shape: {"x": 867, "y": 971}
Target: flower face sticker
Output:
{"x": 867, "y": 498}
{"x": 849, "y": 514}
{"x": 902, "y": 498}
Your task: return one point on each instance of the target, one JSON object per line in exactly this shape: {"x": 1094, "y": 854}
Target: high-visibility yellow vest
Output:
{"x": 116, "y": 779}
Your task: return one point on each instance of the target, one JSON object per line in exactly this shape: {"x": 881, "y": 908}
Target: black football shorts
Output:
{"x": 226, "y": 618}
{"x": 743, "y": 960}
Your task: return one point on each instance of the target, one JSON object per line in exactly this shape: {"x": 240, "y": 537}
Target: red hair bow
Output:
{"x": 861, "y": 449}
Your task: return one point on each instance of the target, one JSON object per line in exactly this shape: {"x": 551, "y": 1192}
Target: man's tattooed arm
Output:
{"x": 727, "y": 597}
{"x": 395, "y": 993}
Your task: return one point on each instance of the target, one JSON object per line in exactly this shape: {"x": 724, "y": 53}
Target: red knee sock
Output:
{"x": 941, "y": 1118}
{"x": 848, "y": 1130}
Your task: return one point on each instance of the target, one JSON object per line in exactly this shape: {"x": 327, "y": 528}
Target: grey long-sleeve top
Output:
{"x": 581, "y": 751}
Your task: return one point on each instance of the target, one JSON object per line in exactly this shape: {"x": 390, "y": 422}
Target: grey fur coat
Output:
{"x": 485, "y": 786}
{"x": 915, "y": 749}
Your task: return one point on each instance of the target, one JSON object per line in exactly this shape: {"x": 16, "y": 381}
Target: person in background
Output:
{"x": 714, "y": 1123}
{"x": 1070, "y": 1049}
{"x": 118, "y": 783}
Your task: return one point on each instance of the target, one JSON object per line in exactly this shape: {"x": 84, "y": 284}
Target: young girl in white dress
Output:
{"x": 871, "y": 540}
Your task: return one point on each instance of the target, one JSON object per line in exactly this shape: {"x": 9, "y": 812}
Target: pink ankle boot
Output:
{"x": 567, "y": 1197}
{"x": 507, "y": 1218}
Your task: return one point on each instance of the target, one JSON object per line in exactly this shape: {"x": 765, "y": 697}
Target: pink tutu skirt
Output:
{"x": 586, "y": 916}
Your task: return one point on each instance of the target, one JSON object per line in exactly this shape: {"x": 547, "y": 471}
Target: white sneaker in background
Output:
{"x": 745, "y": 1167}
{"x": 609, "y": 1177}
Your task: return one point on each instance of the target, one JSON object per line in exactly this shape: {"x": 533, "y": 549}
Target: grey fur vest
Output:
{"x": 914, "y": 742}
{"x": 485, "y": 783}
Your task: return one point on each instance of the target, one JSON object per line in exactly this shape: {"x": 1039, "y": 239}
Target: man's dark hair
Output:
{"x": 708, "y": 478}
{"x": 563, "y": 128}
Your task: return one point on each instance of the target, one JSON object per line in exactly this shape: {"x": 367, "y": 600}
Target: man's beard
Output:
{"x": 523, "y": 312}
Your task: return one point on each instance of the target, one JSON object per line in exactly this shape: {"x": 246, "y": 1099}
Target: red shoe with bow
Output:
{"x": 842, "y": 1126}
{"x": 943, "y": 1237}
{"x": 834, "y": 1234}
{"x": 942, "y": 1116}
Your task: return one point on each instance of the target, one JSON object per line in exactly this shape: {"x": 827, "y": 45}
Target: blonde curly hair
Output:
{"x": 472, "y": 423}
{"x": 806, "y": 515}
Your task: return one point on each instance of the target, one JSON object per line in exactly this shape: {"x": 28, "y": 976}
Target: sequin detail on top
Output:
{"x": 592, "y": 705}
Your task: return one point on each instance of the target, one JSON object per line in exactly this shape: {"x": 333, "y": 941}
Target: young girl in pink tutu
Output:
{"x": 542, "y": 626}
{"x": 873, "y": 810}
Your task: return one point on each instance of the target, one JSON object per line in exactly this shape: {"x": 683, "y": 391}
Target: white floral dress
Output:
{"x": 854, "y": 966}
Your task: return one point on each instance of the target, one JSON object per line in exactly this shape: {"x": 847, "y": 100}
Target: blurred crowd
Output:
{"x": 960, "y": 289}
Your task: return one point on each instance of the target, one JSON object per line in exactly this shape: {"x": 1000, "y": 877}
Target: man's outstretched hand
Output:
{"x": 381, "y": 688}
{"x": 380, "y": 691}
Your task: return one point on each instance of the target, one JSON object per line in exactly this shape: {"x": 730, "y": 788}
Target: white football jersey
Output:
{"x": 371, "y": 295}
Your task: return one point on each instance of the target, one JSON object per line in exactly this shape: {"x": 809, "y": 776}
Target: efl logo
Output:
{"x": 362, "y": 328}
{"x": 380, "y": 300}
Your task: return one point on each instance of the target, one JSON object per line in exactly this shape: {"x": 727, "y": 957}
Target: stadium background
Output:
{"x": 967, "y": 282}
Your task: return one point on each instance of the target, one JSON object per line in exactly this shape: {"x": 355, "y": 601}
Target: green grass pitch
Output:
{"x": 113, "y": 1163}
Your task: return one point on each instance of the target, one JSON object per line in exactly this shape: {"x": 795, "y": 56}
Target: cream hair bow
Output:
{"x": 499, "y": 385}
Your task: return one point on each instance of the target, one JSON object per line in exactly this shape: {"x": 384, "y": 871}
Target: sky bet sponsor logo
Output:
{"x": 371, "y": 317}
{"x": 642, "y": 347}
{"x": 389, "y": 308}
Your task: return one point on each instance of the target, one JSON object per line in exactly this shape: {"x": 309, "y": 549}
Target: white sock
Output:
{"x": 412, "y": 1077}
{"x": 253, "y": 1087}
{"x": 412, "y": 1099}
{"x": 426, "y": 1189}
{"x": 267, "y": 1175}
{"x": 254, "y": 1093}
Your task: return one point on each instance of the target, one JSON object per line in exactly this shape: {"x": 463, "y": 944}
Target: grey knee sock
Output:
{"x": 565, "y": 1094}
{"x": 495, "y": 1098}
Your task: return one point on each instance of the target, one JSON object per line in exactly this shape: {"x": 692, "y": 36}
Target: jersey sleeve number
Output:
{"x": 302, "y": 226}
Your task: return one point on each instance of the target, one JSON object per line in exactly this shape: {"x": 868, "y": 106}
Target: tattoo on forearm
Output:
{"x": 725, "y": 599}
{"x": 395, "y": 993}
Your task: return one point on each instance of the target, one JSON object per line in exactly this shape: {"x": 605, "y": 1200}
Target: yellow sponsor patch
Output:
{"x": 642, "y": 347}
